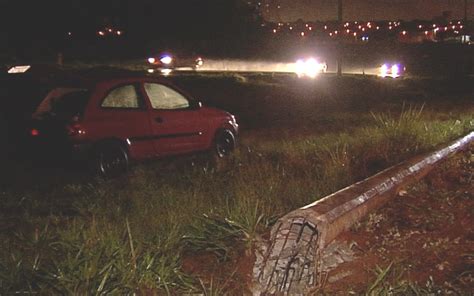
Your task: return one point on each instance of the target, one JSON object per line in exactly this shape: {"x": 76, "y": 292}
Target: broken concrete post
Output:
{"x": 290, "y": 265}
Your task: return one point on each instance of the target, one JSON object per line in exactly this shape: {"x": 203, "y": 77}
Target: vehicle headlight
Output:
{"x": 395, "y": 70}
{"x": 310, "y": 67}
{"x": 383, "y": 70}
{"x": 166, "y": 60}
{"x": 151, "y": 60}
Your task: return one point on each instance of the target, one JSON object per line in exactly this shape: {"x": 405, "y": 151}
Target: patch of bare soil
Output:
{"x": 425, "y": 235}
{"x": 221, "y": 276}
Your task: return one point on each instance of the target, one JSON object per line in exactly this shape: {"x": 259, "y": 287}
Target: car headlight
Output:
{"x": 310, "y": 67}
{"x": 166, "y": 60}
{"x": 199, "y": 61}
{"x": 383, "y": 70}
{"x": 395, "y": 70}
{"x": 390, "y": 70}
{"x": 151, "y": 60}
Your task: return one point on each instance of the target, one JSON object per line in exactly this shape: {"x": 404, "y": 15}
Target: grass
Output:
{"x": 389, "y": 281}
{"x": 64, "y": 234}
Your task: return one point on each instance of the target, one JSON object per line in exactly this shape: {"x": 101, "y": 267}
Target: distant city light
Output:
{"x": 361, "y": 30}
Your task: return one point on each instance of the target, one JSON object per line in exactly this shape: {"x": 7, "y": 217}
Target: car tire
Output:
{"x": 110, "y": 160}
{"x": 224, "y": 143}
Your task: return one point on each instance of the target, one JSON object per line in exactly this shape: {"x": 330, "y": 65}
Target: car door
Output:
{"x": 176, "y": 124}
{"x": 122, "y": 114}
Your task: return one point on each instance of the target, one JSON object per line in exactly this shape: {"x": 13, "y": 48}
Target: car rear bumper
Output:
{"x": 58, "y": 152}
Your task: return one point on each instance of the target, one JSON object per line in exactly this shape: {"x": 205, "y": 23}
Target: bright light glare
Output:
{"x": 166, "y": 72}
{"x": 395, "y": 71}
{"x": 310, "y": 68}
{"x": 166, "y": 60}
{"x": 383, "y": 70}
{"x": 19, "y": 69}
{"x": 389, "y": 70}
{"x": 151, "y": 60}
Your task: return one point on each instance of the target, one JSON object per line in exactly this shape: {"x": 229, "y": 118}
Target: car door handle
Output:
{"x": 159, "y": 119}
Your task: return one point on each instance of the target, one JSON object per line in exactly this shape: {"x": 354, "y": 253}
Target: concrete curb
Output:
{"x": 290, "y": 264}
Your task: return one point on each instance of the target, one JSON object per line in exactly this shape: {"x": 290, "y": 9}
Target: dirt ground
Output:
{"x": 421, "y": 241}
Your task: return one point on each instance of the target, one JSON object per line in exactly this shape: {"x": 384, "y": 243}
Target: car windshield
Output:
{"x": 63, "y": 103}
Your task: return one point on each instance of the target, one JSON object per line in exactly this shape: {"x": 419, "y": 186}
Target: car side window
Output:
{"x": 163, "y": 97}
{"x": 122, "y": 97}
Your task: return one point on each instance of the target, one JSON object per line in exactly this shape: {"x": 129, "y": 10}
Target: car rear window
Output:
{"x": 64, "y": 103}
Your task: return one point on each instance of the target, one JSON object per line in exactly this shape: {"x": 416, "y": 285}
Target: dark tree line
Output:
{"x": 146, "y": 23}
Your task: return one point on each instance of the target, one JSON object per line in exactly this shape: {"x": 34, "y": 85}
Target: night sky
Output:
{"x": 24, "y": 19}
{"x": 323, "y": 10}
{"x": 53, "y": 25}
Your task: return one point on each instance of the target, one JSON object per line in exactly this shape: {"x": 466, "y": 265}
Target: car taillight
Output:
{"x": 75, "y": 129}
{"x": 34, "y": 132}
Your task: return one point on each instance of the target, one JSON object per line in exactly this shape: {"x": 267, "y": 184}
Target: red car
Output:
{"x": 112, "y": 121}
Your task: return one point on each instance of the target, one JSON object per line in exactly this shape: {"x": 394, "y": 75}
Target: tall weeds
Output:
{"x": 129, "y": 236}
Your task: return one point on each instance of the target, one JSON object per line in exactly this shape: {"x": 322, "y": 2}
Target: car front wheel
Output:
{"x": 224, "y": 143}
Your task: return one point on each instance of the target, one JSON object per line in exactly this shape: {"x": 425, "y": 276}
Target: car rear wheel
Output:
{"x": 111, "y": 160}
{"x": 224, "y": 143}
